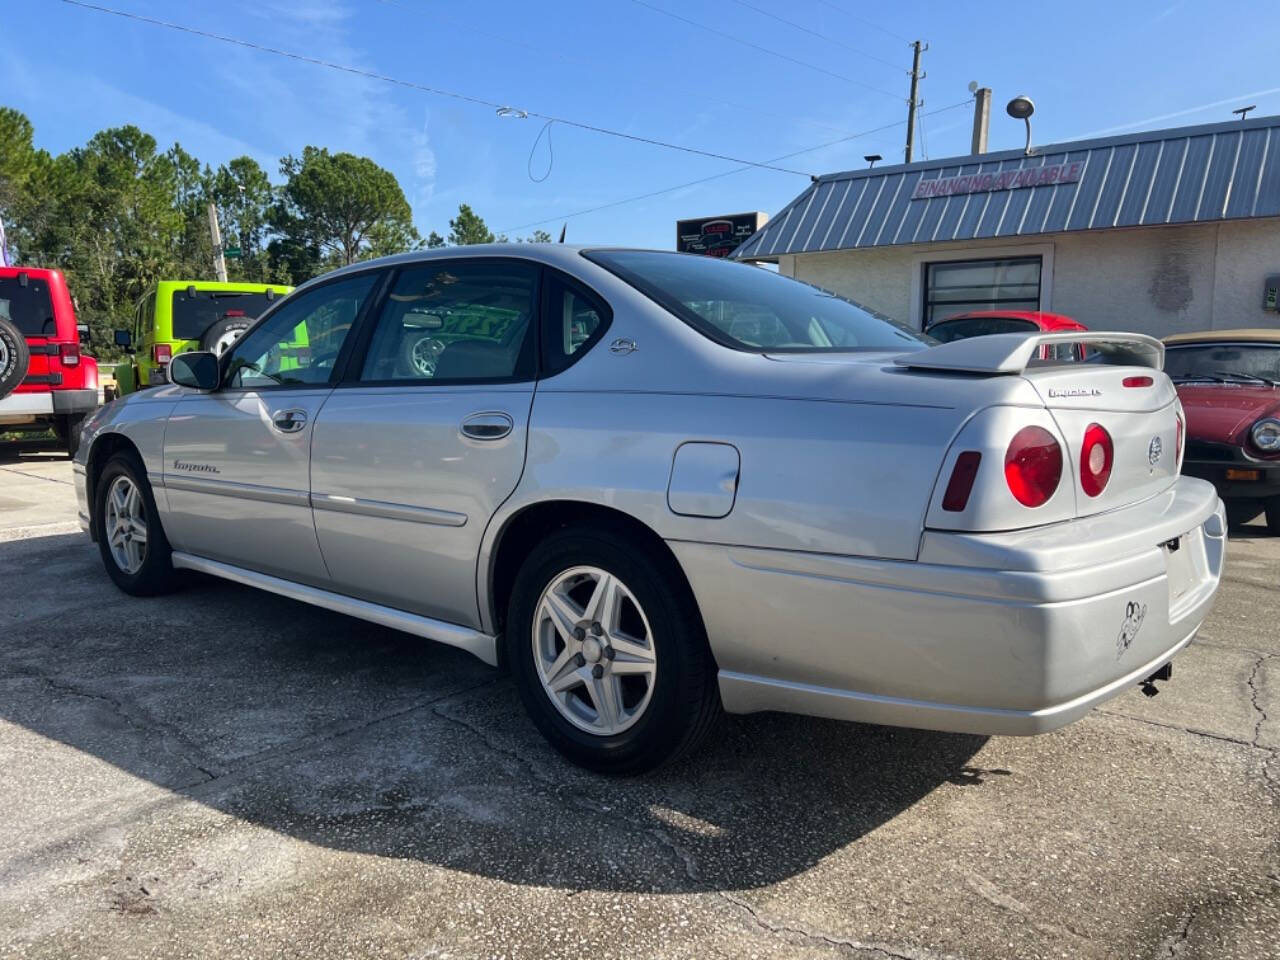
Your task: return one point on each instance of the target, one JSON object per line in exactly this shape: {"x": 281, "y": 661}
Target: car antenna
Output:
{"x": 563, "y": 229}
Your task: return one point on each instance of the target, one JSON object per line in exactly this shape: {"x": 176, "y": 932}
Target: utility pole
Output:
{"x": 219, "y": 262}
{"x": 916, "y": 76}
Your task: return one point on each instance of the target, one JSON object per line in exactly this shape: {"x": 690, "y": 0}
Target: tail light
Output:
{"x": 961, "y": 483}
{"x": 1137, "y": 381}
{"x": 1033, "y": 465}
{"x": 1177, "y": 443}
{"x": 69, "y": 354}
{"x": 1096, "y": 457}
{"x": 161, "y": 352}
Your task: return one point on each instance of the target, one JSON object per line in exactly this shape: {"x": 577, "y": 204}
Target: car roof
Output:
{"x": 216, "y": 286}
{"x": 1042, "y": 319}
{"x": 1256, "y": 334}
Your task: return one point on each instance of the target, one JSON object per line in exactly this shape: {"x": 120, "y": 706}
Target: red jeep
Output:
{"x": 45, "y": 382}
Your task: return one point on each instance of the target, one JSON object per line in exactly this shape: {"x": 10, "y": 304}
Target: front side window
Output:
{"x": 298, "y": 344}
{"x": 748, "y": 308}
{"x": 455, "y": 320}
{"x": 964, "y": 286}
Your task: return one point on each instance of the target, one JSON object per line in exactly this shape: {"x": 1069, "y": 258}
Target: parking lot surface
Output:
{"x": 226, "y": 773}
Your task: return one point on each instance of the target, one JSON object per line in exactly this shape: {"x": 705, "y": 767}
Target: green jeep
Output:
{"x": 177, "y": 316}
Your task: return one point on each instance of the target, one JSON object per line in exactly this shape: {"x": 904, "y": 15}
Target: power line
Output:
{"x": 864, "y": 20}
{"x": 724, "y": 173}
{"x": 821, "y": 36}
{"x": 766, "y": 50}
{"x": 436, "y": 91}
{"x": 544, "y": 53}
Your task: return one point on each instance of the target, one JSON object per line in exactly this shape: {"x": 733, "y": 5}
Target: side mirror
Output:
{"x": 82, "y": 330}
{"x": 197, "y": 369}
{"x": 124, "y": 339}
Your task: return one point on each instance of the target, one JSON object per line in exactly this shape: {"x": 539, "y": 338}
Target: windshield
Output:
{"x": 749, "y": 308}
{"x": 1224, "y": 363}
{"x": 29, "y": 307}
{"x": 193, "y": 315}
{"x": 962, "y": 328}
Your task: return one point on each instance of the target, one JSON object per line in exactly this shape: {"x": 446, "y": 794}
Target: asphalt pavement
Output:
{"x": 225, "y": 773}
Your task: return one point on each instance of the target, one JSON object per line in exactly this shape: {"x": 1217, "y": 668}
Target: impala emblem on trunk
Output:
{"x": 1154, "y": 451}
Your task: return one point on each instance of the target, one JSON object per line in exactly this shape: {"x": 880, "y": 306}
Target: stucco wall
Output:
{"x": 1157, "y": 280}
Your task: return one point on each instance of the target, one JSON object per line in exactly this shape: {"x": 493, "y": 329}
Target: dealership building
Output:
{"x": 1156, "y": 232}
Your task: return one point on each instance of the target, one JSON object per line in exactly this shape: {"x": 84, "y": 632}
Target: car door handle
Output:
{"x": 487, "y": 426}
{"x": 289, "y": 421}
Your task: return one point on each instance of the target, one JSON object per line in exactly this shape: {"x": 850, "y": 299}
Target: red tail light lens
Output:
{"x": 161, "y": 353}
{"x": 1137, "y": 381}
{"x": 1096, "y": 457}
{"x": 961, "y": 483}
{"x": 69, "y": 354}
{"x": 1177, "y": 443}
{"x": 1033, "y": 466}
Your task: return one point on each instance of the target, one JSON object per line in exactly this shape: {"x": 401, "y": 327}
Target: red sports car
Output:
{"x": 1229, "y": 383}
{"x": 980, "y": 323}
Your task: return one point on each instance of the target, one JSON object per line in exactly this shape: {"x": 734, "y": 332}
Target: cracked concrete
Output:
{"x": 226, "y": 773}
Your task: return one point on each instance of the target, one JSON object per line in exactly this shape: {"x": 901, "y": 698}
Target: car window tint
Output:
{"x": 299, "y": 343}
{"x": 455, "y": 320}
{"x": 573, "y": 321}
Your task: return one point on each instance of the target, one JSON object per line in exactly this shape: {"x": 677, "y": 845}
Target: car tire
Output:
{"x": 123, "y": 493}
{"x": 219, "y": 337}
{"x": 69, "y": 429}
{"x": 1240, "y": 512}
{"x": 14, "y": 357}
{"x": 1273, "y": 516}
{"x": 650, "y": 718}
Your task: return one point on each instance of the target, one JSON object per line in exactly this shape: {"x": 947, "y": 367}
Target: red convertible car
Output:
{"x": 979, "y": 323}
{"x": 1229, "y": 384}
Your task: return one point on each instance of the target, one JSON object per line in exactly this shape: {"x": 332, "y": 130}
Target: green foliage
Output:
{"x": 118, "y": 213}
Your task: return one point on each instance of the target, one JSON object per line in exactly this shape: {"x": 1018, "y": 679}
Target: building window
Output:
{"x": 960, "y": 286}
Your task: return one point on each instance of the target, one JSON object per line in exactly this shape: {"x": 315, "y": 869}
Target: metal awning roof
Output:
{"x": 1221, "y": 171}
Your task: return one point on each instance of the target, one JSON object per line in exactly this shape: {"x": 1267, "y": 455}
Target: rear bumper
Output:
{"x": 19, "y": 408}
{"x": 1012, "y": 633}
{"x": 75, "y": 401}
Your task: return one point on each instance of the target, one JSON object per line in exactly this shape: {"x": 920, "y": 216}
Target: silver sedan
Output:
{"x": 656, "y": 486}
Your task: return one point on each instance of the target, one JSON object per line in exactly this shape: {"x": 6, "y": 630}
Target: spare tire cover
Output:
{"x": 222, "y": 334}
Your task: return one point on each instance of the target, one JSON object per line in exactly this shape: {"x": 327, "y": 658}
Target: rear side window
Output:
{"x": 456, "y": 320}
{"x": 28, "y": 307}
{"x": 195, "y": 311}
{"x": 962, "y": 329}
{"x": 573, "y": 320}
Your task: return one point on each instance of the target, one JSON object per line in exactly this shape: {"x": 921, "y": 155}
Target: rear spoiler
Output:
{"x": 1014, "y": 352}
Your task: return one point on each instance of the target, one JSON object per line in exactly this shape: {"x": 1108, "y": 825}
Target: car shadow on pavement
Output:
{"x": 335, "y": 732}
{"x": 31, "y": 451}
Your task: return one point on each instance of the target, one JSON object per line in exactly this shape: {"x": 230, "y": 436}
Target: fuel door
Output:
{"x": 704, "y": 479}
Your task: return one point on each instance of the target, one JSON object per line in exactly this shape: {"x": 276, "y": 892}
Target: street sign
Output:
{"x": 231, "y": 252}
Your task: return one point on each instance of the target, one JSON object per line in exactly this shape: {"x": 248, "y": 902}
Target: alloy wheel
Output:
{"x": 224, "y": 342}
{"x": 594, "y": 650}
{"x": 126, "y": 525}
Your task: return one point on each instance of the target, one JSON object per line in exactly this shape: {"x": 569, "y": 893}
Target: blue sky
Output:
{"x": 1090, "y": 67}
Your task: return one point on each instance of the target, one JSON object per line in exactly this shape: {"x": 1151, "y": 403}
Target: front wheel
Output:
{"x": 134, "y": 548}
{"x": 609, "y": 653}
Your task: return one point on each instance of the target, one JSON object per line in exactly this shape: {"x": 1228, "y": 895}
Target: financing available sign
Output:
{"x": 999, "y": 180}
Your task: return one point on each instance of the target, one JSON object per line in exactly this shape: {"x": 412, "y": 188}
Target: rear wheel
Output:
{"x": 134, "y": 548}
{"x": 69, "y": 430}
{"x": 609, "y": 653}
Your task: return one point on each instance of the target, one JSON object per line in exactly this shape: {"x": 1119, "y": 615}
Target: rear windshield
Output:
{"x": 949, "y": 330}
{"x": 750, "y": 308}
{"x": 1224, "y": 363}
{"x": 29, "y": 308}
{"x": 193, "y": 315}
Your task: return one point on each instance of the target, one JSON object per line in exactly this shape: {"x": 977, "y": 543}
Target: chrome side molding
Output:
{"x": 481, "y": 645}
